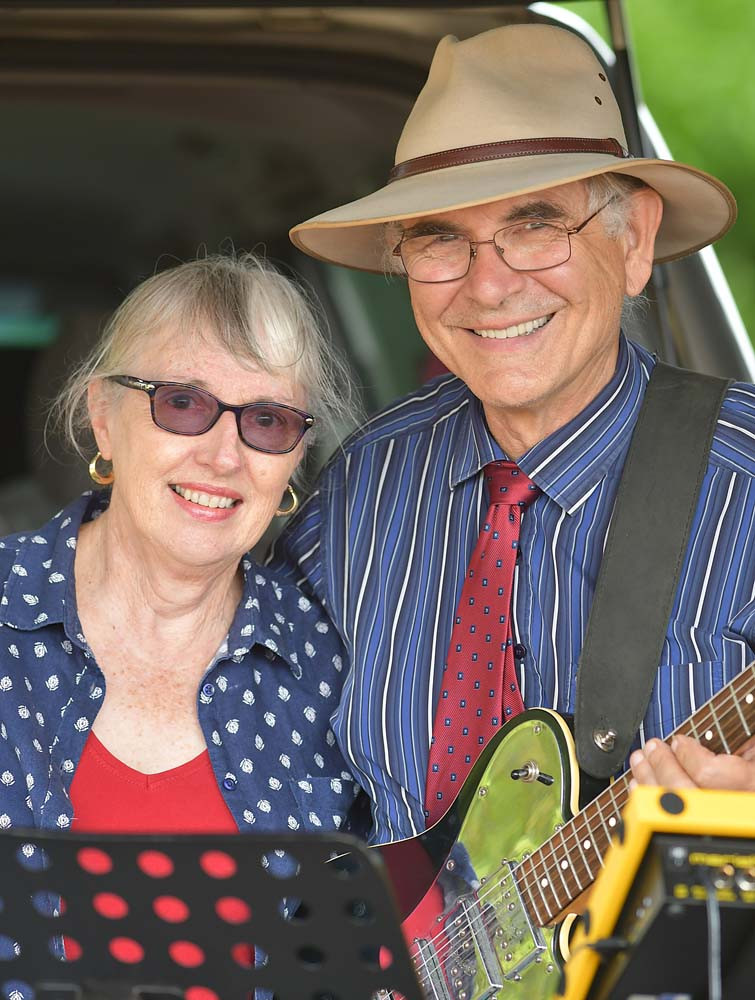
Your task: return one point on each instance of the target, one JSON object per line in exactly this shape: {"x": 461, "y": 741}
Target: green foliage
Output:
{"x": 695, "y": 69}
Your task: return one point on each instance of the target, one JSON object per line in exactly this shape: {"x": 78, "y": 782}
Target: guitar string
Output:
{"x": 579, "y": 827}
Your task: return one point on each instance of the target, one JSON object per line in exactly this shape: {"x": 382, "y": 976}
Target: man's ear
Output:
{"x": 99, "y": 405}
{"x": 646, "y": 212}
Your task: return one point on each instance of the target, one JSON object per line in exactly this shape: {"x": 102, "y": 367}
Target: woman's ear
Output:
{"x": 646, "y": 212}
{"x": 99, "y": 405}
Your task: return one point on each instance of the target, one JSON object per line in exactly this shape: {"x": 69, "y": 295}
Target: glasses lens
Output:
{"x": 184, "y": 409}
{"x": 533, "y": 245}
{"x": 271, "y": 427}
{"x": 435, "y": 257}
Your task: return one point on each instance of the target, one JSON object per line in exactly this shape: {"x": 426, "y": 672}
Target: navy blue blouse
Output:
{"x": 264, "y": 704}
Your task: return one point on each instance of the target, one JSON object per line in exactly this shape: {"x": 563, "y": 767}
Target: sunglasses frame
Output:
{"x": 151, "y": 387}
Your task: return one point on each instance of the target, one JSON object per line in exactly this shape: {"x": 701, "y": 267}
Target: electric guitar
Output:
{"x": 513, "y": 853}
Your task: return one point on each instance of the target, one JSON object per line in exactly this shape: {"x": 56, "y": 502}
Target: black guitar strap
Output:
{"x": 641, "y": 565}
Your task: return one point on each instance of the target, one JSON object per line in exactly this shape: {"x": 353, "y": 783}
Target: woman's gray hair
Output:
{"x": 246, "y": 306}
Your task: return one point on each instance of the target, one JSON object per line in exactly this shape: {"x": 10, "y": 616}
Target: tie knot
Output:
{"x": 508, "y": 484}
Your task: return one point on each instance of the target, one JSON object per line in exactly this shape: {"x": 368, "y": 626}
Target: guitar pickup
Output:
{"x": 507, "y": 940}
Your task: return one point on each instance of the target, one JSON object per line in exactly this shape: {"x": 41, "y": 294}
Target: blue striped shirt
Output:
{"x": 384, "y": 543}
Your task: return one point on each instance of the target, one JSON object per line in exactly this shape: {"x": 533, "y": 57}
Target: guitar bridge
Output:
{"x": 426, "y": 959}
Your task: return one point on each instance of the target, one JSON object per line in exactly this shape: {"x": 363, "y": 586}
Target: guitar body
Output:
{"x": 469, "y": 930}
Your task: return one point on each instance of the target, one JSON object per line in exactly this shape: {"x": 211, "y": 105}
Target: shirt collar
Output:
{"x": 276, "y": 615}
{"x": 39, "y": 589}
{"x": 568, "y": 464}
{"x": 475, "y": 445}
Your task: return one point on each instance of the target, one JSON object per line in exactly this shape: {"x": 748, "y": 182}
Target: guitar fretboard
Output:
{"x": 568, "y": 863}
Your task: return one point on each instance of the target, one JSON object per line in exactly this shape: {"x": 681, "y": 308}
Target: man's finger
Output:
{"x": 710, "y": 770}
{"x": 656, "y": 764}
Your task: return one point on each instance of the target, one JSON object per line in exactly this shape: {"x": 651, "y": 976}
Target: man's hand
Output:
{"x": 686, "y": 764}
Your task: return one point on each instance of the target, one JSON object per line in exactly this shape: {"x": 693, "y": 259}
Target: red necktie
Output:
{"x": 479, "y": 686}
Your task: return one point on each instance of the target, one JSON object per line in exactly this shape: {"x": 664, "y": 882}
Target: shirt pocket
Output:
{"x": 323, "y": 802}
{"x": 694, "y": 667}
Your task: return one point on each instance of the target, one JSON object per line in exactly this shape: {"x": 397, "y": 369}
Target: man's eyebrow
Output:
{"x": 430, "y": 227}
{"x": 536, "y": 210}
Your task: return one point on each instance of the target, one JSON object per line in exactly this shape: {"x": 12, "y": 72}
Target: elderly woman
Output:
{"x": 152, "y": 677}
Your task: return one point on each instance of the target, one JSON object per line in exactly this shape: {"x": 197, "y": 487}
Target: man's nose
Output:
{"x": 490, "y": 279}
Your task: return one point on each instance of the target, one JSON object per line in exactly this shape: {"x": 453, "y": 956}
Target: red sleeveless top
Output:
{"x": 110, "y": 797}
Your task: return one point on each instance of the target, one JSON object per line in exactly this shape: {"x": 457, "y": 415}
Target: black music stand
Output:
{"x": 184, "y": 915}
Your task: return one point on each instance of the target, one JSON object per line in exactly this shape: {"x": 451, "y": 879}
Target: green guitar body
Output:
{"x": 474, "y": 935}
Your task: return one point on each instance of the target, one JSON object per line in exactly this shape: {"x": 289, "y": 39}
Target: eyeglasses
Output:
{"x": 534, "y": 245}
{"x": 273, "y": 428}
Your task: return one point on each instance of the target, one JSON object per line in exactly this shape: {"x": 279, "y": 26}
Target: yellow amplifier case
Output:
{"x": 648, "y": 811}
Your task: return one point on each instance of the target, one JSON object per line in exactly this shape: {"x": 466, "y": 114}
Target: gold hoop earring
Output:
{"x": 96, "y": 476}
{"x": 294, "y": 503}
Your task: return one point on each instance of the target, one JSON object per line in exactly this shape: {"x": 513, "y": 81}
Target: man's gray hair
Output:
{"x": 241, "y": 303}
{"x": 617, "y": 191}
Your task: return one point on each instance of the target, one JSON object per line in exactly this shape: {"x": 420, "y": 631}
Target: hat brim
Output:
{"x": 698, "y": 208}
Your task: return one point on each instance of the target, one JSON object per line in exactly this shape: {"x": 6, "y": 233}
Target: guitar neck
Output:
{"x": 568, "y": 863}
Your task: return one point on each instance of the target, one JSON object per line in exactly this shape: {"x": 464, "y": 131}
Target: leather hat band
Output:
{"x": 505, "y": 150}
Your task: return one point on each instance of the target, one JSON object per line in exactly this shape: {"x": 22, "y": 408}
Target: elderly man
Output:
{"x": 521, "y": 224}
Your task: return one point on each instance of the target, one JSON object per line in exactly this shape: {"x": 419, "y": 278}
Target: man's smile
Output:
{"x": 516, "y": 330}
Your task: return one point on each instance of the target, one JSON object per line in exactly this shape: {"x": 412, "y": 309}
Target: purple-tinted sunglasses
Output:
{"x": 273, "y": 428}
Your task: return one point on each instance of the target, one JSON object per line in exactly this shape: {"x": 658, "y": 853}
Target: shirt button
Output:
{"x": 229, "y": 783}
{"x": 208, "y": 690}
{"x": 520, "y": 651}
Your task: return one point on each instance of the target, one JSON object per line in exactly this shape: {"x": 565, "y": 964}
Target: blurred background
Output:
{"x": 694, "y": 68}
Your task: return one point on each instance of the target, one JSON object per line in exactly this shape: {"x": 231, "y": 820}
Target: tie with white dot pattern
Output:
{"x": 479, "y": 686}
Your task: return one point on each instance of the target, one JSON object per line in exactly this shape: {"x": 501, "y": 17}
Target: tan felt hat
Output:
{"x": 508, "y": 112}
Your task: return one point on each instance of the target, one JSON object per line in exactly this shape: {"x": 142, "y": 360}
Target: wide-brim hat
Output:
{"x": 511, "y": 111}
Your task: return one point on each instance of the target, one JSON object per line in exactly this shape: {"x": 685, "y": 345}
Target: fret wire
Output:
{"x": 555, "y": 861}
{"x": 710, "y": 721}
{"x": 731, "y": 693}
{"x": 549, "y": 911}
{"x": 742, "y": 719}
{"x": 580, "y": 858}
{"x": 736, "y": 703}
{"x": 594, "y": 840}
{"x": 548, "y": 867}
{"x": 724, "y": 742}
{"x": 569, "y": 861}
{"x": 692, "y": 728}
{"x": 605, "y": 826}
{"x": 525, "y": 886}
{"x": 580, "y": 844}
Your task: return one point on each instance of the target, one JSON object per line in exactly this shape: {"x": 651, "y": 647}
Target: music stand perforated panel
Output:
{"x": 159, "y": 916}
